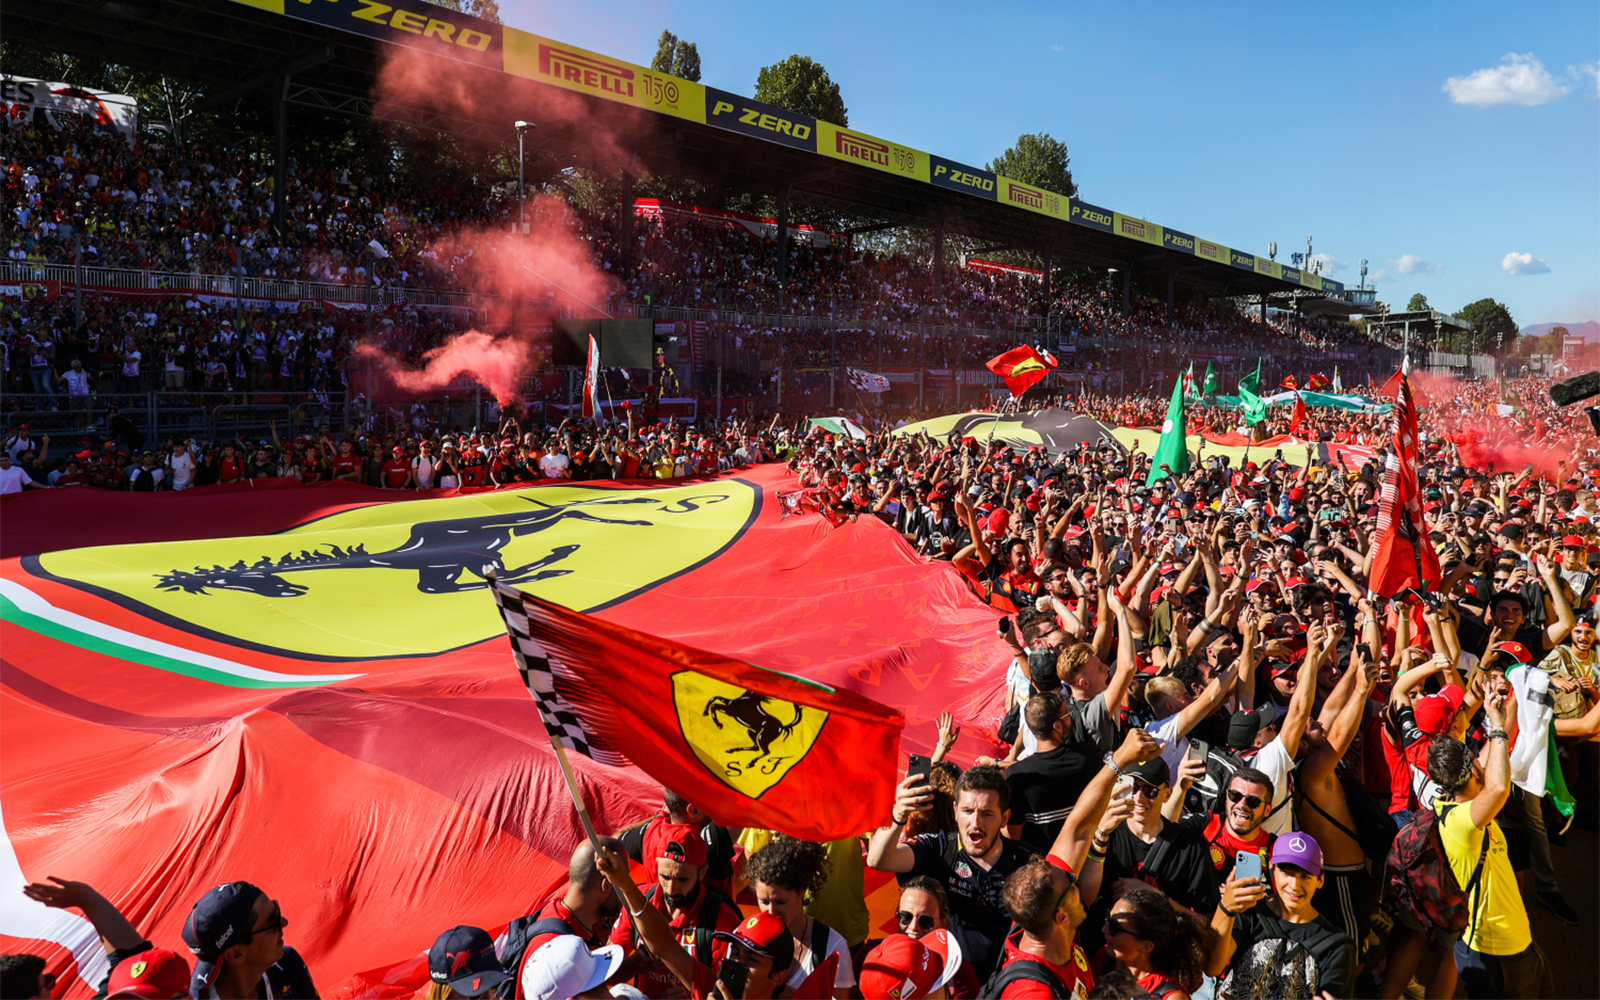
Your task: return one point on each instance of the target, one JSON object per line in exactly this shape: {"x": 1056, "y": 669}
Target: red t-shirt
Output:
{"x": 557, "y": 909}
{"x": 395, "y": 472}
{"x": 658, "y": 981}
{"x": 231, "y": 469}
{"x": 344, "y": 464}
{"x": 1075, "y": 975}
{"x": 1225, "y": 844}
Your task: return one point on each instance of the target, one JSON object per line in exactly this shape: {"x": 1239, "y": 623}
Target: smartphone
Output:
{"x": 1198, "y": 749}
{"x": 1005, "y": 626}
{"x": 1123, "y": 787}
{"x": 920, "y": 765}
{"x": 734, "y": 974}
{"x": 1247, "y": 864}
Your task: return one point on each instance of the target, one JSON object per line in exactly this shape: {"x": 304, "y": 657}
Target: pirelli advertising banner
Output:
{"x": 454, "y": 35}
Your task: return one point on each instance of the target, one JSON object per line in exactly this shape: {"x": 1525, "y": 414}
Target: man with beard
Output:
{"x": 587, "y": 908}
{"x": 972, "y": 864}
{"x": 693, "y": 910}
{"x": 1237, "y": 827}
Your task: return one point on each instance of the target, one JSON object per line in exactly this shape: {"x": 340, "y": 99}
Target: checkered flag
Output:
{"x": 531, "y": 641}
{"x": 867, "y": 381}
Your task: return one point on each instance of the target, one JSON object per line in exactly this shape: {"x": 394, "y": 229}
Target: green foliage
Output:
{"x": 1038, "y": 159}
{"x": 801, "y": 84}
{"x": 1493, "y": 329}
{"x": 489, "y": 10}
{"x": 677, "y": 57}
{"x": 1418, "y": 303}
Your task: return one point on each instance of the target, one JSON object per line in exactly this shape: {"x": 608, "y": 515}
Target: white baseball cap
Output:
{"x": 563, "y": 967}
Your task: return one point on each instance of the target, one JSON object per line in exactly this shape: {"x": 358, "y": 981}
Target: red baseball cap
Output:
{"x": 675, "y": 842}
{"x": 900, "y": 969}
{"x": 998, "y": 520}
{"x": 155, "y": 974}
{"x": 1517, "y": 651}
{"x": 764, "y": 933}
{"x": 1573, "y": 542}
{"x": 1434, "y": 711}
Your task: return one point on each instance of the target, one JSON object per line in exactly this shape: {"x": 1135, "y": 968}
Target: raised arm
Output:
{"x": 1127, "y": 663}
{"x": 114, "y": 929}
{"x": 1357, "y": 684}
{"x": 1497, "y": 769}
{"x": 650, "y": 922}
{"x": 885, "y": 852}
{"x": 1565, "y": 619}
{"x": 1298, "y": 715}
{"x": 1073, "y": 840}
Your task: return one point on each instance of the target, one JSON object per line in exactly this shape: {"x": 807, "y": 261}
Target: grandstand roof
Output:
{"x": 332, "y": 51}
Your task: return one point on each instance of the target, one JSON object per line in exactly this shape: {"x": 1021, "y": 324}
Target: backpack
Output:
{"x": 705, "y": 924}
{"x": 1421, "y": 879}
{"x": 1377, "y": 830}
{"x": 513, "y": 941}
{"x": 1023, "y": 969}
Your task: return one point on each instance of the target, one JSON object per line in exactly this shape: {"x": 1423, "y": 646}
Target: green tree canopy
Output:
{"x": 1418, "y": 303}
{"x": 1492, "y": 325}
{"x": 800, "y": 83}
{"x": 677, "y": 57}
{"x": 1039, "y": 159}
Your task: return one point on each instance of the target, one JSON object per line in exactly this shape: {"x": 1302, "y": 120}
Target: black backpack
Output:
{"x": 705, "y": 924}
{"x": 1023, "y": 970}
{"x": 513, "y": 941}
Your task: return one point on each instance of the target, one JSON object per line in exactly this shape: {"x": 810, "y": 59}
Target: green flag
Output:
{"x": 1172, "y": 450}
{"x": 1212, "y": 384}
{"x": 1255, "y": 409}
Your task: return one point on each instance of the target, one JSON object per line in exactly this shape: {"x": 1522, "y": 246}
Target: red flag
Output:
{"x": 1405, "y": 557}
{"x": 748, "y": 746}
{"x": 1299, "y": 416}
{"x": 1289, "y": 383}
{"x": 1317, "y": 382}
{"x": 1022, "y": 367}
{"x": 591, "y": 381}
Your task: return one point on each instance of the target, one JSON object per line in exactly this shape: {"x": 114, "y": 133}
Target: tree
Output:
{"x": 1039, "y": 159}
{"x": 800, "y": 83}
{"x": 677, "y": 57}
{"x": 1418, "y": 303}
{"x": 1493, "y": 329}
{"x": 489, "y": 10}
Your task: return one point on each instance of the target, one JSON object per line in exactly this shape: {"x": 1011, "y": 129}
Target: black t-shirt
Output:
{"x": 1475, "y": 636}
{"x": 1044, "y": 788}
{"x": 1276, "y": 958}
{"x": 1183, "y": 869}
{"x": 978, "y": 915}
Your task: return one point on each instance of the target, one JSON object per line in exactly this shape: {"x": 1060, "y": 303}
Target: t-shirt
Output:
{"x": 1501, "y": 920}
{"x": 1098, "y": 732}
{"x": 344, "y": 464}
{"x": 1274, "y": 761}
{"x": 1177, "y": 743}
{"x": 12, "y": 480}
{"x": 1183, "y": 870}
{"x": 1074, "y": 975}
{"x": 556, "y": 909}
{"x": 1224, "y": 845}
{"x": 978, "y": 916}
{"x": 77, "y": 382}
{"x": 1423, "y": 791}
{"x": 395, "y": 472}
{"x": 1475, "y": 636}
{"x": 554, "y": 466}
{"x": 182, "y": 466}
{"x": 1044, "y": 788}
{"x": 288, "y": 979}
{"x": 657, "y": 981}
{"x": 1277, "y": 958}
{"x": 1565, "y": 661}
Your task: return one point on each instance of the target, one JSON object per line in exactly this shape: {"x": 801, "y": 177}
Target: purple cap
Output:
{"x": 1298, "y": 849}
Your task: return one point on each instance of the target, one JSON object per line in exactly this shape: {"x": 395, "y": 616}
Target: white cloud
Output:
{"x": 1056, "y": 48}
{"x": 1523, "y": 263}
{"x": 1519, "y": 79}
{"x": 1592, "y": 70}
{"x": 1410, "y": 263}
{"x": 1330, "y": 263}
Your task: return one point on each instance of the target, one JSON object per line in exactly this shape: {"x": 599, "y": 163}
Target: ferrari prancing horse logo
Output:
{"x": 749, "y": 741}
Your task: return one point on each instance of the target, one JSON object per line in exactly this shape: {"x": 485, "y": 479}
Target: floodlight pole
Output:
{"x": 522, "y": 211}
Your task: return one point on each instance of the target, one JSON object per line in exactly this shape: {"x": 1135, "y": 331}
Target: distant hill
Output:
{"x": 1589, "y": 330}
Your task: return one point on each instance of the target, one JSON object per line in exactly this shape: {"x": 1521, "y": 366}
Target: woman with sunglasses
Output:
{"x": 1163, "y": 947}
{"x": 923, "y": 909}
{"x": 784, "y": 876}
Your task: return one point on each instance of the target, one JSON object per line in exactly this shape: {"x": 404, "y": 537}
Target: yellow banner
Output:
{"x": 1211, "y": 251}
{"x": 1034, "y": 199}
{"x": 571, "y": 68}
{"x": 1310, "y": 280}
{"x": 1270, "y": 268}
{"x": 1138, "y": 229}
{"x": 880, "y": 154}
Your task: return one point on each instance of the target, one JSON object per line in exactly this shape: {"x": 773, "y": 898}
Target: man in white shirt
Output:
{"x": 554, "y": 464}
{"x": 182, "y": 464}
{"x": 13, "y": 479}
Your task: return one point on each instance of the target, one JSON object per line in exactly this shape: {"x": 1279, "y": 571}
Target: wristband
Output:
{"x": 1496, "y": 734}
{"x": 1095, "y": 859}
{"x": 1224, "y": 909}
{"x": 897, "y": 822}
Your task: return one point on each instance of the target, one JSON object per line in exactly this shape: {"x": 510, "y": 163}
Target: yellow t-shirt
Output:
{"x": 1501, "y": 927}
{"x": 841, "y": 903}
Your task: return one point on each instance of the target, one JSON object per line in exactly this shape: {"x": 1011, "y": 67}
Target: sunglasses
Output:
{"x": 1115, "y": 926}
{"x": 924, "y": 921}
{"x": 1148, "y": 791}
{"x": 1252, "y": 801}
{"x": 274, "y": 922}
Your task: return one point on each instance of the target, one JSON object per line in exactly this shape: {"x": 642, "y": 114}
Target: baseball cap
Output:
{"x": 154, "y": 974}
{"x": 1434, "y": 711}
{"x": 1573, "y": 542}
{"x": 1243, "y": 726}
{"x": 1300, "y": 850}
{"x": 1511, "y": 531}
{"x": 998, "y": 520}
{"x": 675, "y": 842}
{"x": 1152, "y": 772}
{"x": 464, "y": 958}
{"x": 223, "y": 917}
{"x": 1517, "y": 651}
{"x": 764, "y": 933}
{"x": 564, "y": 967}
{"x": 900, "y": 968}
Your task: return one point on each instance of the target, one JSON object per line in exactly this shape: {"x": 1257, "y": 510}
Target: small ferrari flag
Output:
{"x": 1289, "y": 383}
{"x": 748, "y": 746}
{"x": 1404, "y": 556}
{"x": 1316, "y": 383}
{"x": 1022, "y": 367}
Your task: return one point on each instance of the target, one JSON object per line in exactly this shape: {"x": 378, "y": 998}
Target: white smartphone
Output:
{"x": 1124, "y": 787}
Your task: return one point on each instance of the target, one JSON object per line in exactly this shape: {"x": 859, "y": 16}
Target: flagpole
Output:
{"x": 566, "y": 768}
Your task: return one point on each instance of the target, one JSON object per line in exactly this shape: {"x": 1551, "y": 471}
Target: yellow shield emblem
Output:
{"x": 747, "y": 740}
{"x": 406, "y": 579}
{"x": 138, "y": 969}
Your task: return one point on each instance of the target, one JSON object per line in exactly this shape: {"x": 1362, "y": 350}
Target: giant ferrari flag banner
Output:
{"x": 1404, "y": 556}
{"x": 309, "y": 687}
{"x": 1173, "y": 451}
{"x": 757, "y": 747}
{"x": 1021, "y": 368}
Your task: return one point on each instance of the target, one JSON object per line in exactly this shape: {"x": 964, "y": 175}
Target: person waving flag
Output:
{"x": 591, "y": 382}
{"x": 1404, "y": 556}
{"x": 1021, "y": 368}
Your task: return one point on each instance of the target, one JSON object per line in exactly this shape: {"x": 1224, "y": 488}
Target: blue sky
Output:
{"x": 1456, "y": 147}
